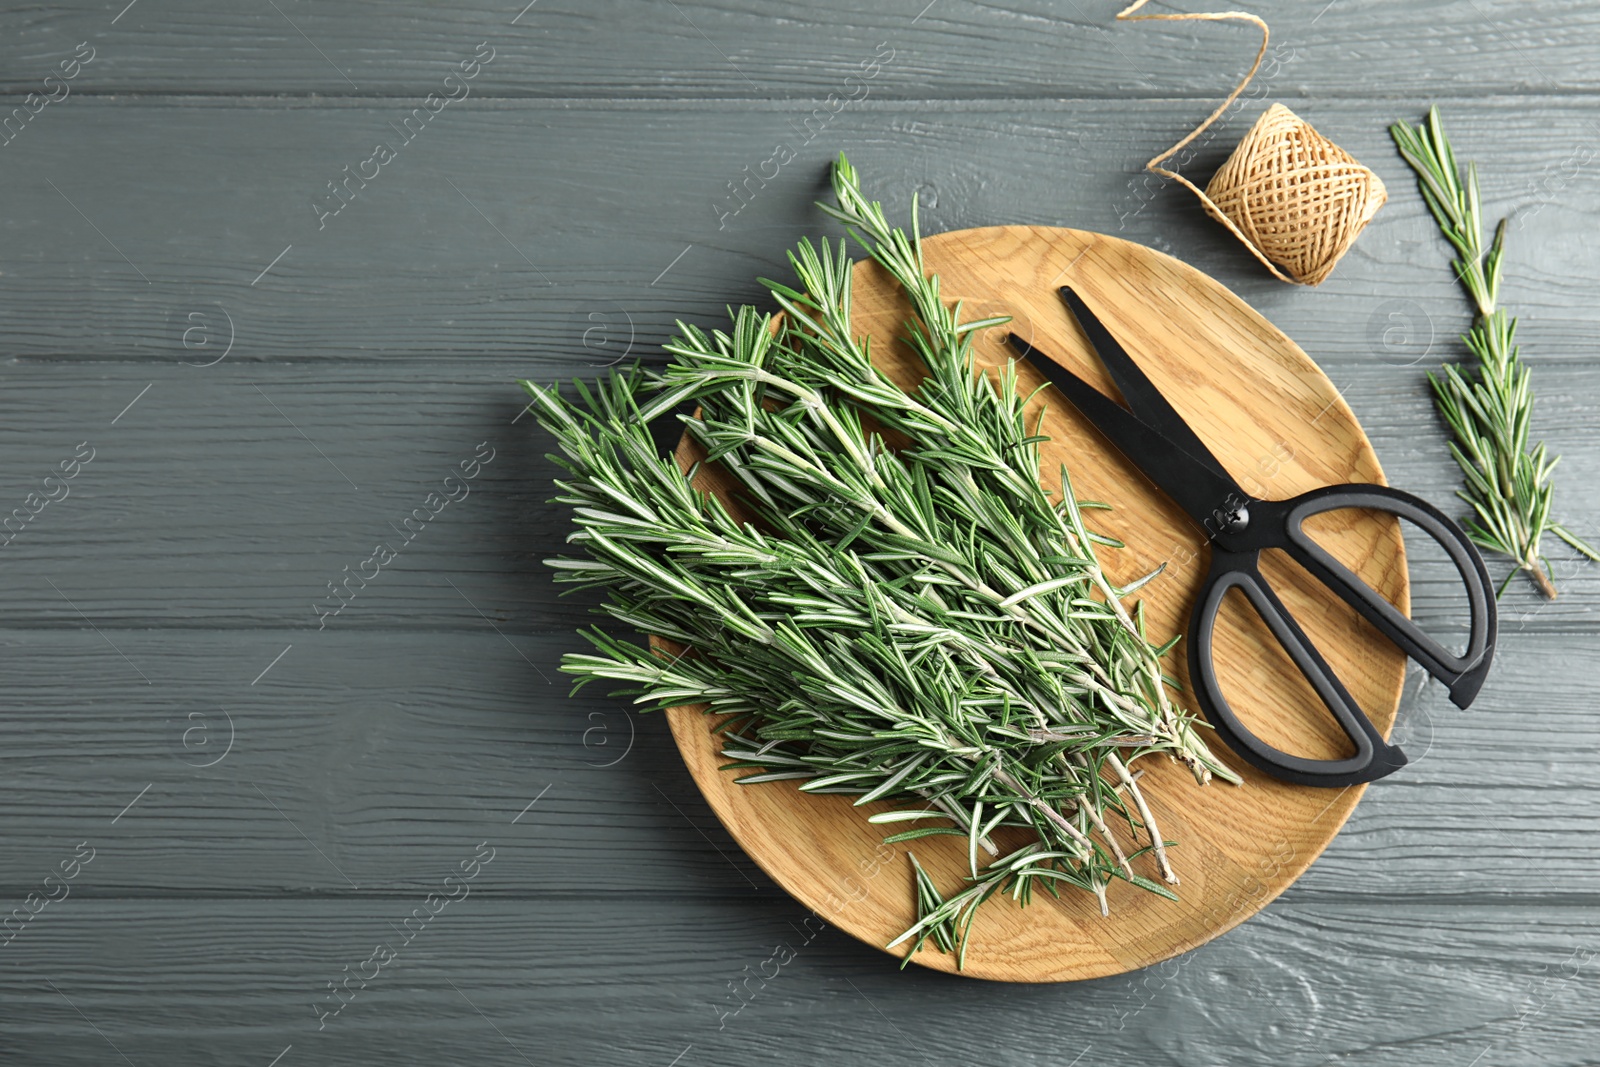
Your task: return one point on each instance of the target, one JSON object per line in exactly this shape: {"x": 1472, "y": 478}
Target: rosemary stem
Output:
{"x": 1158, "y": 846}
{"x": 1535, "y": 569}
{"x": 1047, "y": 810}
{"x": 1488, "y": 413}
{"x": 1110, "y": 838}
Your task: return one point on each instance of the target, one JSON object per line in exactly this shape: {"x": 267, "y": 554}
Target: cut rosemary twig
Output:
{"x": 926, "y": 626}
{"x": 1508, "y": 482}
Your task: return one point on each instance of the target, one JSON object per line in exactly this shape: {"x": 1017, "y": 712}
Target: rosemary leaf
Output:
{"x": 927, "y": 626}
{"x": 1488, "y": 413}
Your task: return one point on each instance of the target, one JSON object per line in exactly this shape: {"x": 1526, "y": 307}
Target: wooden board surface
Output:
{"x": 1435, "y": 985}
{"x": 739, "y": 49}
{"x": 1453, "y": 920}
{"x": 1279, "y": 426}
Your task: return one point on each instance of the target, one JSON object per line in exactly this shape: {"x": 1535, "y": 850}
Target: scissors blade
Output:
{"x": 1143, "y": 398}
{"x": 1195, "y": 486}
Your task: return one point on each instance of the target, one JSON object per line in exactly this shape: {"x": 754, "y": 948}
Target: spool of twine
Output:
{"x": 1295, "y": 199}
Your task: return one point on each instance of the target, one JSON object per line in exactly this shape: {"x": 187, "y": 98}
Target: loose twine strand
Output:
{"x": 1295, "y": 199}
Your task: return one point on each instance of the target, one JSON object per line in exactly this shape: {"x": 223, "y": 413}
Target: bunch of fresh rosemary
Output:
{"x": 924, "y": 625}
{"x": 1508, "y": 481}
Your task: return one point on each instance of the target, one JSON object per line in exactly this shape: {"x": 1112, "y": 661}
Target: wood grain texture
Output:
{"x": 956, "y": 49}
{"x": 237, "y": 521}
{"x": 1245, "y": 388}
{"x": 568, "y": 983}
{"x": 384, "y": 747}
{"x": 206, "y": 193}
{"x": 328, "y": 740}
{"x": 1434, "y": 930}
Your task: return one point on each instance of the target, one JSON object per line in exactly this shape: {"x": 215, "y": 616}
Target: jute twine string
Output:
{"x": 1295, "y": 199}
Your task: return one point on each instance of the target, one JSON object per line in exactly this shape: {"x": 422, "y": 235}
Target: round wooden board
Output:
{"x": 1280, "y": 427}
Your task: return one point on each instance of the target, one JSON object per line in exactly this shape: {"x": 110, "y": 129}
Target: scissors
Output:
{"x": 1239, "y": 527}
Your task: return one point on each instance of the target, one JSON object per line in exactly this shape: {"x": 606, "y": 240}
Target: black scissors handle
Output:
{"x": 1463, "y": 675}
{"x": 1374, "y": 757}
{"x": 1280, "y": 524}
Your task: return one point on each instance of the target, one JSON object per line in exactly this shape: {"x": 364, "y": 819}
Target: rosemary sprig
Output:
{"x": 924, "y": 625}
{"x": 1507, "y": 480}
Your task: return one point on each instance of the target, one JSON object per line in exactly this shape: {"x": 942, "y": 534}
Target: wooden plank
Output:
{"x": 553, "y": 232}
{"x": 711, "y": 48}
{"x": 644, "y": 979}
{"x": 362, "y": 757}
{"x": 220, "y": 497}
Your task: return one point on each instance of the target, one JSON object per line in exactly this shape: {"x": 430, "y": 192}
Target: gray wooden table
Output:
{"x": 222, "y": 796}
